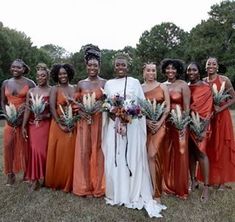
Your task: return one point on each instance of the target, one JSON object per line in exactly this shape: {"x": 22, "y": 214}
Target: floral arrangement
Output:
{"x": 198, "y": 125}
{"x": 151, "y": 109}
{"x": 37, "y": 106}
{"x": 13, "y": 114}
{"x": 219, "y": 95}
{"x": 67, "y": 118}
{"x": 179, "y": 119}
{"x": 124, "y": 109}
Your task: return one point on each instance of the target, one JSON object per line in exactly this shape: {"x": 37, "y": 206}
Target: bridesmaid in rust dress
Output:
{"x": 89, "y": 160}
{"x": 176, "y": 163}
{"x": 156, "y": 130}
{"x": 38, "y": 129}
{"x": 14, "y": 92}
{"x": 221, "y": 150}
{"x": 202, "y": 103}
{"x": 62, "y": 136}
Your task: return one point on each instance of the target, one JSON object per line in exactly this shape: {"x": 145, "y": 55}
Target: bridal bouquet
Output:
{"x": 151, "y": 109}
{"x": 37, "y": 106}
{"x": 179, "y": 119}
{"x": 124, "y": 109}
{"x": 219, "y": 95}
{"x": 67, "y": 118}
{"x": 13, "y": 115}
{"x": 198, "y": 125}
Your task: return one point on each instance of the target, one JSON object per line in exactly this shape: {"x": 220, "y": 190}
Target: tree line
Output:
{"x": 212, "y": 37}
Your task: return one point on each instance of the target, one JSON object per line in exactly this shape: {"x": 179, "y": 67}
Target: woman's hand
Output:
{"x": 153, "y": 126}
{"x": 24, "y": 133}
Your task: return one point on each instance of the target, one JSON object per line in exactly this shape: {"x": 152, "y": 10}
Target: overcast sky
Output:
{"x": 110, "y": 24}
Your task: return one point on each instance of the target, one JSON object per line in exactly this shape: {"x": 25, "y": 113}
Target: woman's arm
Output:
{"x": 26, "y": 116}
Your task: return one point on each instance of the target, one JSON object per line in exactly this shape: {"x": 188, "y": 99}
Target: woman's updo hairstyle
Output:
{"x": 92, "y": 52}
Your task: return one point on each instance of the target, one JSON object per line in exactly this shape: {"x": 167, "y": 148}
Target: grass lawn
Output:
{"x": 18, "y": 204}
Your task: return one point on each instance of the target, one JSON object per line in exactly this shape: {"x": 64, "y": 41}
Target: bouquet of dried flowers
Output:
{"x": 179, "y": 119}
{"x": 152, "y": 109}
{"x": 219, "y": 95}
{"x": 198, "y": 125}
{"x": 13, "y": 115}
{"x": 67, "y": 118}
{"x": 37, "y": 106}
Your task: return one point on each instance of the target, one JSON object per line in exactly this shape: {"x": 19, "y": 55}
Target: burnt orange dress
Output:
{"x": 155, "y": 142}
{"x": 201, "y": 102}
{"x": 176, "y": 163}
{"x": 14, "y": 146}
{"x": 221, "y": 148}
{"x": 89, "y": 160}
{"x": 60, "y": 154}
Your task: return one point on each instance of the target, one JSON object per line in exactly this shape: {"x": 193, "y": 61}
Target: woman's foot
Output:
{"x": 194, "y": 184}
{"x": 158, "y": 199}
{"x": 10, "y": 179}
{"x": 205, "y": 194}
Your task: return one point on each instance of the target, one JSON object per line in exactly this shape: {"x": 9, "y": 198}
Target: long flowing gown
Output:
{"x": 15, "y": 147}
{"x": 60, "y": 154}
{"x": 89, "y": 159}
{"x": 134, "y": 191}
{"x": 38, "y": 140}
{"x": 155, "y": 142}
{"x": 202, "y": 103}
{"x": 221, "y": 148}
{"x": 176, "y": 163}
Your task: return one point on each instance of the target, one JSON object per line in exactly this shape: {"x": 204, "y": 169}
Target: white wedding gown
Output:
{"x": 133, "y": 191}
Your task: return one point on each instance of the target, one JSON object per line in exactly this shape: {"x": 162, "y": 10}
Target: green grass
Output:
{"x": 18, "y": 204}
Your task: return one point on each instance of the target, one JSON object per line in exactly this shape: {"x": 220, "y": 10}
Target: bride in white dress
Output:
{"x": 128, "y": 180}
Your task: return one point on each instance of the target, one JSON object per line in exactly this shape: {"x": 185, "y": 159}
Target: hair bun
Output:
{"x": 92, "y": 52}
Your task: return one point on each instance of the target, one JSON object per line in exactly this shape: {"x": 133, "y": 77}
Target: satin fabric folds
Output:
{"x": 155, "y": 142}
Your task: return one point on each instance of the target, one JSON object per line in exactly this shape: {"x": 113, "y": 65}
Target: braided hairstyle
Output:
{"x": 92, "y": 52}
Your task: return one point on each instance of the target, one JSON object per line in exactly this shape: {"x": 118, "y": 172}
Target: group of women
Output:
{"x": 130, "y": 164}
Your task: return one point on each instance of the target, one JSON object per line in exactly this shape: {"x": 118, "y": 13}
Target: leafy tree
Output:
{"x": 162, "y": 41}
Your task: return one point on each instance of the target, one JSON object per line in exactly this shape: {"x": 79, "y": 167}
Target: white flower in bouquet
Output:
{"x": 197, "y": 124}
{"x": 179, "y": 119}
{"x": 13, "y": 114}
{"x": 37, "y": 104}
{"x": 152, "y": 109}
{"x": 219, "y": 95}
{"x": 67, "y": 118}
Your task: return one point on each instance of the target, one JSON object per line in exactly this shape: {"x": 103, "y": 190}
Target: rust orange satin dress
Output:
{"x": 15, "y": 147}
{"x": 60, "y": 154}
{"x": 176, "y": 163}
{"x": 201, "y": 102}
{"x": 155, "y": 142}
{"x": 89, "y": 160}
{"x": 221, "y": 149}
{"x": 38, "y": 141}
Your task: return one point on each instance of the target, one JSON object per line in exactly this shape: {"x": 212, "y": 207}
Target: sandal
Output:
{"x": 205, "y": 193}
{"x": 194, "y": 184}
{"x": 10, "y": 179}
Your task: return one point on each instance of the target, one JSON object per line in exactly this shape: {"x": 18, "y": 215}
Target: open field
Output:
{"x": 18, "y": 204}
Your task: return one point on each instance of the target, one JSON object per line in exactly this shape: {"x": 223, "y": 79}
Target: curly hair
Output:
{"x": 176, "y": 63}
{"x": 26, "y": 67}
{"x": 92, "y": 52}
{"x": 56, "y": 68}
